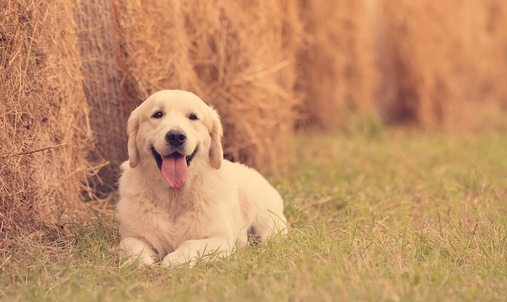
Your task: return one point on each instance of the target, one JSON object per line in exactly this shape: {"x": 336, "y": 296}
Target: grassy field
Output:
{"x": 375, "y": 215}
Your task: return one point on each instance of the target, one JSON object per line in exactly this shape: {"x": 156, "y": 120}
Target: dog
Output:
{"x": 179, "y": 199}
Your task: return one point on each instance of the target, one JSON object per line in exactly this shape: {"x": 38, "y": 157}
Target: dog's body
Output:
{"x": 178, "y": 197}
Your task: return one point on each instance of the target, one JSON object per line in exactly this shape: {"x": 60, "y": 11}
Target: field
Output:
{"x": 376, "y": 214}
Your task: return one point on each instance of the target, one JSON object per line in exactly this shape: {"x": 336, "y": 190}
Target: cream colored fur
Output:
{"x": 218, "y": 204}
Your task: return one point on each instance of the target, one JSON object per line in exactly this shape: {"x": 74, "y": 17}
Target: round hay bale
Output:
{"x": 443, "y": 62}
{"x": 101, "y": 69}
{"x": 337, "y": 71}
{"x": 44, "y": 136}
{"x": 244, "y": 54}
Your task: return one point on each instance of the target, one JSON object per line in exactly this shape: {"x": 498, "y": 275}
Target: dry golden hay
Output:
{"x": 239, "y": 56}
{"x": 244, "y": 56}
{"x": 44, "y": 137}
{"x": 442, "y": 61}
{"x": 99, "y": 52}
{"x": 337, "y": 73}
{"x": 264, "y": 64}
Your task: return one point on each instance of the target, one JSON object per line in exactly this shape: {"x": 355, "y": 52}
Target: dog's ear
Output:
{"x": 132, "y": 128}
{"x": 216, "y": 153}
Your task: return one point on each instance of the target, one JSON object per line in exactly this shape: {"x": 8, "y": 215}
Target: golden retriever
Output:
{"x": 178, "y": 197}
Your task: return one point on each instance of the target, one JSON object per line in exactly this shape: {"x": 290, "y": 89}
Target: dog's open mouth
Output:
{"x": 174, "y": 167}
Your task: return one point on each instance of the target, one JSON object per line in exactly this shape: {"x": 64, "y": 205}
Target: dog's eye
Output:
{"x": 157, "y": 114}
{"x": 192, "y": 117}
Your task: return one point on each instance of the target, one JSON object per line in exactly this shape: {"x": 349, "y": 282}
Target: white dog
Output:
{"x": 178, "y": 197}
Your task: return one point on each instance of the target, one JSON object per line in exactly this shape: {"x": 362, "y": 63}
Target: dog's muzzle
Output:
{"x": 176, "y": 154}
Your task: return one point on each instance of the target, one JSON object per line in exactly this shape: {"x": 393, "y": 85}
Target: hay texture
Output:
{"x": 337, "y": 73}
{"x": 442, "y": 61}
{"x": 101, "y": 70}
{"x": 266, "y": 65}
{"x": 44, "y": 137}
{"x": 236, "y": 55}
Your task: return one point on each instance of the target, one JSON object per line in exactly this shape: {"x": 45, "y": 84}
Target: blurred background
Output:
{"x": 72, "y": 71}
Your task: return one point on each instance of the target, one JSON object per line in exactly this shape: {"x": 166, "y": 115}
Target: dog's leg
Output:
{"x": 268, "y": 223}
{"x": 192, "y": 250}
{"x": 137, "y": 249}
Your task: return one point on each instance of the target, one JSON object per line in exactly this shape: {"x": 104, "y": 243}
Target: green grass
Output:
{"x": 375, "y": 215}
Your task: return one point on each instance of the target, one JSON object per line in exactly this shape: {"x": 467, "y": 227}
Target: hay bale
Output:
{"x": 99, "y": 52}
{"x": 415, "y": 39}
{"x": 44, "y": 137}
{"x": 244, "y": 56}
{"x": 493, "y": 24}
{"x": 239, "y": 56}
{"x": 337, "y": 67}
{"x": 442, "y": 61}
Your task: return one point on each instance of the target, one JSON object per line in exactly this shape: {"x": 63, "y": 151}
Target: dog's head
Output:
{"x": 172, "y": 128}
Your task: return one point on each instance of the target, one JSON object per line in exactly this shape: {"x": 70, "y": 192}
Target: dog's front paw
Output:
{"x": 176, "y": 258}
{"x": 136, "y": 250}
{"x": 141, "y": 259}
{"x": 147, "y": 260}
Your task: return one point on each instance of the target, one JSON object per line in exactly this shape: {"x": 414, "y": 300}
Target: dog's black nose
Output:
{"x": 175, "y": 138}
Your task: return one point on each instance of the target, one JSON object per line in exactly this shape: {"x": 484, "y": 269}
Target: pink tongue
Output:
{"x": 174, "y": 171}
